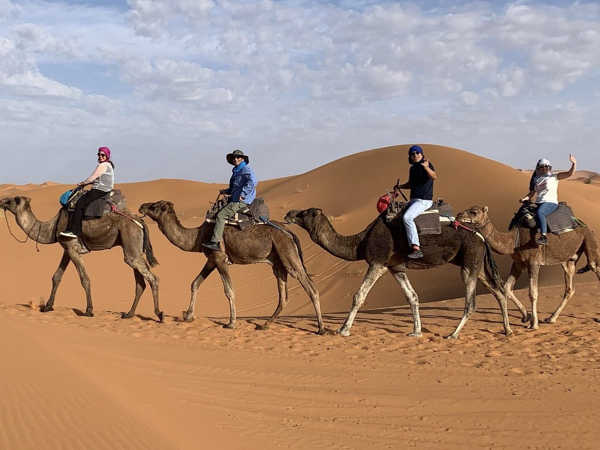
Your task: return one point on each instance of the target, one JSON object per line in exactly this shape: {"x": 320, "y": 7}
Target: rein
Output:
{"x": 27, "y": 234}
{"x": 114, "y": 209}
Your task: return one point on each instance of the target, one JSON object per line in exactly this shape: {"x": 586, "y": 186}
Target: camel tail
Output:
{"x": 492, "y": 268}
{"x": 152, "y": 261}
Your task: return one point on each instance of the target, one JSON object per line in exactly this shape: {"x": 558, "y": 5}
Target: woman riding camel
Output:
{"x": 420, "y": 182}
{"x": 544, "y": 183}
{"x": 103, "y": 181}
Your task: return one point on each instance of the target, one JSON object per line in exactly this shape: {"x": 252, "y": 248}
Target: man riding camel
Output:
{"x": 241, "y": 191}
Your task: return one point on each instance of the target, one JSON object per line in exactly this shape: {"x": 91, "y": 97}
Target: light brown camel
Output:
{"x": 101, "y": 234}
{"x": 564, "y": 249}
{"x": 277, "y": 247}
{"x": 384, "y": 247}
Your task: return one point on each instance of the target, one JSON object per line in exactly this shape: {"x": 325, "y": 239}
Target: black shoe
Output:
{"x": 542, "y": 240}
{"x": 416, "y": 254}
{"x": 212, "y": 245}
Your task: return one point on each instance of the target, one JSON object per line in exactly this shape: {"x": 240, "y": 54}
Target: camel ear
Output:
{"x": 316, "y": 212}
{"x": 485, "y": 209}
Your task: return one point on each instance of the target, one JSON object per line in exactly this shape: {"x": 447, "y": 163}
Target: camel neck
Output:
{"x": 344, "y": 247}
{"x": 501, "y": 243}
{"x": 187, "y": 239}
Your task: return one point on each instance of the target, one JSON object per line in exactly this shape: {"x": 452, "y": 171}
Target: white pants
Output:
{"x": 415, "y": 207}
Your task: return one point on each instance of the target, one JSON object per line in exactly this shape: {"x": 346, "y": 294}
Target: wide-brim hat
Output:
{"x": 237, "y": 153}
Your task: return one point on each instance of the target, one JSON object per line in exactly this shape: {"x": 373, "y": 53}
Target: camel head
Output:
{"x": 13, "y": 204}
{"x": 476, "y": 215}
{"x": 306, "y": 218}
{"x": 156, "y": 210}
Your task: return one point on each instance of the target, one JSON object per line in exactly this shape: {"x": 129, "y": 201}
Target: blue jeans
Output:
{"x": 415, "y": 207}
{"x": 542, "y": 210}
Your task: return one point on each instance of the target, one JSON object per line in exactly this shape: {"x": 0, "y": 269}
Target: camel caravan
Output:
{"x": 418, "y": 233}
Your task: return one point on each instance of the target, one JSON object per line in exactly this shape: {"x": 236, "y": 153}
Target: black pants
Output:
{"x": 77, "y": 219}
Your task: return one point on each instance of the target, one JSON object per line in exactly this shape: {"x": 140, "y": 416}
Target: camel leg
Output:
{"x": 489, "y": 284}
{"x": 373, "y": 274}
{"x": 534, "y": 273}
{"x": 470, "y": 281}
{"x": 229, "y": 293}
{"x": 569, "y": 268}
{"x": 142, "y": 272}
{"x": 85, "y": 280}
{"x": 312, "y": 292}
{"x": 515, "y": 273}
{"x": 413, "y": 301}
{"x": 281, "y": 277}
{"x": 203, "y": 275}
{"x": 56, "y": 279}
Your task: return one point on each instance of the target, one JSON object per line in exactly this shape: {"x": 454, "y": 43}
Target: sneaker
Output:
{"x": 542, "y": 240}
{"x": 68, "y": 234}
{"x": 212, "y": 245}
{"x": 416, "y": 254}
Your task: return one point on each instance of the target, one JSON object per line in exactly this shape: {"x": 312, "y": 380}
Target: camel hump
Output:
{"x": 559, "y": 221}
{"x": 104, "y": 205}
{"x": 256, "y": 213}
{"x": 428, "y": 222}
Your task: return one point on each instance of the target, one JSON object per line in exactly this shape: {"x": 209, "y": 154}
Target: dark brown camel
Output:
{"x": 564, "y": 249}
{"x": 101, "y": 234}
{"x": 384, "y": 247}
{"x": 277, "y": 247}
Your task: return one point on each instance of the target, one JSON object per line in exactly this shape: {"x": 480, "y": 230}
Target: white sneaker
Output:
{"x": 68, "y": 234}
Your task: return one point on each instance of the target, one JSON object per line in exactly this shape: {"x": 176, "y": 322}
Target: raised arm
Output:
{"x": 570, "y": 172}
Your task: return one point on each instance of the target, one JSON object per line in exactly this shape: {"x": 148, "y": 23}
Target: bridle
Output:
{"x": 27, "y": 233}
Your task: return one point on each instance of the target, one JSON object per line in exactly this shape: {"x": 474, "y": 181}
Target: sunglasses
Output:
{"x": 415, "y": 153}
{"x": 545, "y": 167}
{"x": 101, "y": 155}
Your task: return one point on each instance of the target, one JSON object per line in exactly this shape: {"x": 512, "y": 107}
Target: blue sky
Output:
{"x": 172, "y": 86}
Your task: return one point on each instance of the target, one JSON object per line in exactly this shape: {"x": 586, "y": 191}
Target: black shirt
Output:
{"x": 421, "y": 185}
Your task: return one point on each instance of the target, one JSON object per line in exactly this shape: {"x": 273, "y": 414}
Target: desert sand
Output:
{"x": 74, "y": 382}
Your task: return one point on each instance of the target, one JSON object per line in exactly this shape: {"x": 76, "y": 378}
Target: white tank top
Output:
{"x": 106, "y": 181}
{"x": 546, "y": 188}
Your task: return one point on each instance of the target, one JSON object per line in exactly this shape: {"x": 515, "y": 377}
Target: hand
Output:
{"x": 572, "y": 159}
{"x": 222, "y": 191}
{"x": 425, "y": 163}
{"x": 81, "y": 184}
{"x": 524, "y": 199}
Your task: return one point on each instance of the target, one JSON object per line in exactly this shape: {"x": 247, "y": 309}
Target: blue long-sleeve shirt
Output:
{"x": 242, "y": 185}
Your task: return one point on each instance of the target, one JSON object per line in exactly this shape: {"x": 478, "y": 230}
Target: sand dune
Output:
{"x": 106, "y": 383}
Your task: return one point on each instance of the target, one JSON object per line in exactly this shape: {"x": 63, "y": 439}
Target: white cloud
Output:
{"x": 332, "y": 77}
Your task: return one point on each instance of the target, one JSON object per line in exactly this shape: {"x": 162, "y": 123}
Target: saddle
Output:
{"x": 100, "y": 206}
{"x": 559, "y": 221}
{"x": 255, "y": 214}
{"x": 428, "y": 222}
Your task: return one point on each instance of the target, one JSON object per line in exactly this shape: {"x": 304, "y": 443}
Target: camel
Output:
{"x": 273, "y": 245}
{"x": 101, "y": 234}
{"x": 384, "y": 247}
{"x": 564, "y": 249}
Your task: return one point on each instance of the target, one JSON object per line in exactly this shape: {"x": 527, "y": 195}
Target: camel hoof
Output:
{"x": 415, "y": 334}
{"x": 261, "y": 327}
{"x": 550, "y": 320}
{"x": 188, "y": 319}
{"x": 161, "y": 316}
{"x": 343, "y": 332}
{"x": 230, "y": 326}
{"x": 451, "y": 336}
{"x": 89, "y": 314}
{"x": 532, "y": 327}
{"x": 526, "y": 318}
{"x": 47, "y": 309}
{"x": 126, "y": 316}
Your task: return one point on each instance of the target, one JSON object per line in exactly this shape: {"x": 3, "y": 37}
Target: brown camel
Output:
{"x": 101, "y": 234}
{"x": 384, "y": 246}
{"x": 277, "y": 247}
{"x": 564, "y": 249}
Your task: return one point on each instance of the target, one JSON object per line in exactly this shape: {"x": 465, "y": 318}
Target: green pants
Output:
{"x": 225, "y": 213}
